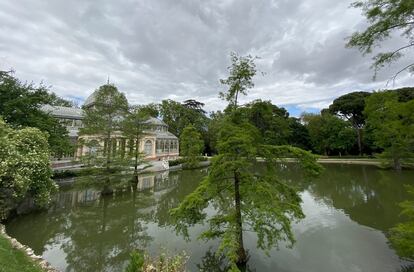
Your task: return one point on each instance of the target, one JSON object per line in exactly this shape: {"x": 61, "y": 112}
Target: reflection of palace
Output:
{"x": 157, "y": 143}
{"x": 158, "y": 183}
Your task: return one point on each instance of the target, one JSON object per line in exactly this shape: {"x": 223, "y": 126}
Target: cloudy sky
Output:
{"x": 163, "y": 49}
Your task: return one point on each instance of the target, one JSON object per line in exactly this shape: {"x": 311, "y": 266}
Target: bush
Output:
{"x": 163, "y": 263}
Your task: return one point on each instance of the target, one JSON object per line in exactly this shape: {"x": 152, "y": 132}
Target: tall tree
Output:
{"x": 191, "y": 146}
{"x": 393, "y": 126}
{"x": 105, "y": 116}
{"x": 24, "y": 167}
{"x": 20, "y": 105}
{"x": 385, "y": 17}
{"x": 242, "y": 71}
{"x": 244, "y": 198}
{"x": 351, "y": 107}
{"x": 133, "y": 127}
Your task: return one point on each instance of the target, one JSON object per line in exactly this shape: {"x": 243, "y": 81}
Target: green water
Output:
{"x": 348, "y": 210}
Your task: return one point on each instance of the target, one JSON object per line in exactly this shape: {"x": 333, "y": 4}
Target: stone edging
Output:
{"x": 28, "y": 251}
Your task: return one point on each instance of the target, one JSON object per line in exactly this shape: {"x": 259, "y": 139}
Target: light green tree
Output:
{"x": 24, "y": 167}
{"x": 191, "y": 146}
{"x": 133, "y": 128}
{"x": 243, "y": 198}
{"x": 392, "y": 124}
{"x": 104, "y": 118}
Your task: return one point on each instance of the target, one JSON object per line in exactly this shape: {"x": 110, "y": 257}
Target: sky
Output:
{"x": 162, "y": 49}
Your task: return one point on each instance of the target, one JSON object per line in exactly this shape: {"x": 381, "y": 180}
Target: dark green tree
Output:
{"x": 392, "y": 124}
{"x": 270, "y": 120}
{"x": 104, "y": 118}
{"x": 386, "y": 18}
{"x": 20, "y": 106}
{"x": 351, "y": 107}
{"x": 329, "y": 133}
{"x": 191, "y": 146}
{"x": 243, "y": 198}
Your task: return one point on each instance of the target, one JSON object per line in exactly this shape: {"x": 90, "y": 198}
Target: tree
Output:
{"x": 133, "y": 127}
{"x": 178, "y": 116}
{"x": 270, "y": 120}
{"x": 385, "y": 17}
{"x": 191, "y": 146}
{"x": 20, "y": 107}
{"x": 105, "y": 117}
{"x": 329, "y": 133}
{"x": 151, "y": 109}
{"x": 392, "y": 124}
{"x": 244, "y": 197}
{"x": 351, "y": 107}
{"x": 402, "y": 235}
{"x": 242, "y": 71}
{"x": 299, "y": 134}
{"x": 24, "y": 167}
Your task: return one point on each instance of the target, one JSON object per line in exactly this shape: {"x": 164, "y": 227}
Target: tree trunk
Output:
{"x": 108, "y": 153}
{"x": 359, "y": 141}
{"x": 136, "y": 155}
{"x": 397, "y": 164}
{"x": 242, "y": 257}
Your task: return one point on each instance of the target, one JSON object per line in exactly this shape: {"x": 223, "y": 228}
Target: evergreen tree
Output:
{"x": 104, "y": 118}
{"x": 244, "y": 198}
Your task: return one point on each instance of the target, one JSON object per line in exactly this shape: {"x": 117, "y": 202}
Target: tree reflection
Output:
{"x": 213, "y": 262}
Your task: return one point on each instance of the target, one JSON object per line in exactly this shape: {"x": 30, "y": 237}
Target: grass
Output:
{"x": 14, "y": 260}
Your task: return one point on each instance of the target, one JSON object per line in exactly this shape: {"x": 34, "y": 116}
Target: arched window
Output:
{"x": 148, "y": 148}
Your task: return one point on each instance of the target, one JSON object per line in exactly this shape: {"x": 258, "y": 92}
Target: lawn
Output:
{"x": 13, "y": 260}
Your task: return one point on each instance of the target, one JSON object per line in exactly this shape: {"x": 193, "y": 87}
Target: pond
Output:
{"x": 348, "y": 211}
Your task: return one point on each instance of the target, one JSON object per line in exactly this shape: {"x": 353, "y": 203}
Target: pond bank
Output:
{"x": 18, "y": 257}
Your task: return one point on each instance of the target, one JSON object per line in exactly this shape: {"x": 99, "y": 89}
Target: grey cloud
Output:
{"x": 154, "y": 50}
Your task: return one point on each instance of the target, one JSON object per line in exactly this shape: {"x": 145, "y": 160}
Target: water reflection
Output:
{"x": 88, "y": 230}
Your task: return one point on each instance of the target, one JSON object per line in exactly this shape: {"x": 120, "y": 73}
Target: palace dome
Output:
{"x": 91, "y": 99}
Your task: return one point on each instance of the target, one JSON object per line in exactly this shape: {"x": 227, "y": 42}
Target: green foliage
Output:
{"x": 162, "y": 263}
{"x": 268, "y": 205}
{"x": 385, "y": 17}
{"x": 24, "y": 167}
{"x": 329, "y": 133}
{"x": 402, "y": 235}
{"x": 191, "y": 146}
{"x": 133, "y": 127}
{"x": 15, "y": 260}
{"x": 20, "y": 107}
{"x": 351, "y": 107}
{"x": 243, "y": 198}
{"x": 178, "y": 116}
{"x": 270, "y": 120}
{"x": 136, "y": 262}
{"x": 392, "y": 124}
{"x": 105, "y": 117}
{"x": 242, "y": 71}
